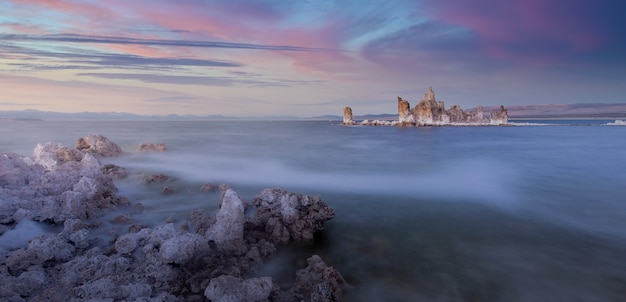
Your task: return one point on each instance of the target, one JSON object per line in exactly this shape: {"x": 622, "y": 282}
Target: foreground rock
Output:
{"x": 98, "y": 145}
{"x": 56, "y": 184}
{"x": 212, "y": 256}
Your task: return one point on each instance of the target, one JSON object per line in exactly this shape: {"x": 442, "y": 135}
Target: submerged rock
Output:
{"x": 151, "y": 147}
{"x": 157, "y": 178}
{"x": 318, "y": 282}
{"x": 113, "y": 170}
{"x": 283, "y": 216}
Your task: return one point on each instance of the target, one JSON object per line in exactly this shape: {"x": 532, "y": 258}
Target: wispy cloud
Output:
{"x": 196, "y": 80}
{"x": 75, "y": 38}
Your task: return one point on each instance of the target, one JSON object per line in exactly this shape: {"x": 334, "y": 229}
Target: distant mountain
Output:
{"x": 564, "y": 110}
{"x": 31, "y": 114}
{"x": 515, "y": 111}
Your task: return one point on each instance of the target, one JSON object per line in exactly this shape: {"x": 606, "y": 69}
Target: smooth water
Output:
{"x": 532, "y": 212}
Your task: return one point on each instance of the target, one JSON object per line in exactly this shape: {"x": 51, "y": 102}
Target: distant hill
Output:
{"x": 515, "y": 111}
{"x": 31, "y": 114}
{"x": 564, "y": 111}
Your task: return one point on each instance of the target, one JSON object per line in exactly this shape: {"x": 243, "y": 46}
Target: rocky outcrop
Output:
{"x": 283, "y": 216}
{"x": 430, "y": 112}
{"x": 317, "y": 282}
{"x": 151, "y": 147}
{"x": 227, "y": 231}
{"x": 210, "y": 256}
{"x": 405, "y": 115}
{"x": 347, "y": 116}
{"x": 56, "y": 184}
{"x": 98, "y": 145}
{"x": 500, "y": 117}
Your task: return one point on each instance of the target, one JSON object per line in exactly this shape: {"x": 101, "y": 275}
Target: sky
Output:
{"x": 307, "y": 58}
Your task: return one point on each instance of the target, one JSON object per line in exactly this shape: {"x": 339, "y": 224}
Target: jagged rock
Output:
{"x": 285, "y": 216}
{"x": 98, "y": 145}
{"x": 227, "y": 288}
{"x": 456, "y": 114}
{"x": 229, "y": 220}
{"x": 317, "y": 282}
{"x": 405, "y": 115}
{"x": 500, "y": 117}
{"x": 64, "y": 182}
{"x": 347, "y": 116}
{"x": 151, "y": 147}
{"x": 430, "y": 112}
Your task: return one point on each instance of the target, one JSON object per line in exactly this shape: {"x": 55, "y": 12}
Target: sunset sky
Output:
{"x": 307, "y": 58}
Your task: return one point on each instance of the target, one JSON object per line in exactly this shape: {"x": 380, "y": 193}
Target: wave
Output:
{"x": 616, "y": 123}
{"x": 530, "y": 124}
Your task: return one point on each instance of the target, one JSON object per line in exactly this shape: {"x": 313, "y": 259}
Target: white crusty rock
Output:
{"x": 229, "y": 220}
{"x": 500, "y": 117}
{"x": 98, "y": 145}
{"x": 64, "y": 182}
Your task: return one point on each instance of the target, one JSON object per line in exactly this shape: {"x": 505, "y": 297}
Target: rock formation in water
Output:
{"x": 98, "y": 145}
{"x": 151, "y": 147}
{"x": 210, "y": 256}
{"x": 430, "y": 112}
{"x": 405, "y": 114}
{"x": 500, "y": 117}
{"x": 347, "y": 116}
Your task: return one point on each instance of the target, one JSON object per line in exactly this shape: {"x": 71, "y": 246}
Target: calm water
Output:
{"x": 523, "y": 213}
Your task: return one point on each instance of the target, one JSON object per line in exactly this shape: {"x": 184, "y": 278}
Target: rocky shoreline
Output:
{"x": 210, "y": 257}
{"x": 430, "y": 112}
